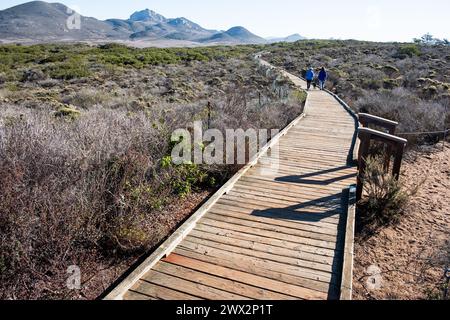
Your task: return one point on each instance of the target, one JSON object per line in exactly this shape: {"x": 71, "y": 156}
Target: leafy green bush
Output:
{"x": 67, "y": 112}
{"x": 68, "y": 70}
{"x": 299, "y": 95}
{"x": 185, "y": 177}
{"x": 410, "y": 50}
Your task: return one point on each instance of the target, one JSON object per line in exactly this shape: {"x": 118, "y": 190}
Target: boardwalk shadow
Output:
{"x": 303, "y": 179}
{"x": 314, "y": 211}
{"x": 328, "y": 206}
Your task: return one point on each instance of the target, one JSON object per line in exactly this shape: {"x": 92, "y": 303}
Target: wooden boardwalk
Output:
{"x": 278, "y": 235}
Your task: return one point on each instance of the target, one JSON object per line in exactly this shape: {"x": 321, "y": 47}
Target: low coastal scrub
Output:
{"x": 408, "y": 83}
{"x": 85, "y": 145}
{"x": 384, "y": 196}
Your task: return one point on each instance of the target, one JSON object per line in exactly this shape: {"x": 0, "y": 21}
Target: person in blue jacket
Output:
{"x": 323, "y": 75}
{"x": 309, "y": 77}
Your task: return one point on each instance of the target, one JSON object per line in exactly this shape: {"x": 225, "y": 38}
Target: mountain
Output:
{"x": 291, "y": 38}
{"x": 138, "y": 22}
{"x": 39, "y": 21}
{"x": 236, "y": 35}
{"x": 148, "y": 16}
{"x": 175, "y": 29}
{"x": 48, "y": 21}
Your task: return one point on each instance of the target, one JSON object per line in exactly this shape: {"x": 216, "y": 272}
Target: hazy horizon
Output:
{"x": 361, "y": 20}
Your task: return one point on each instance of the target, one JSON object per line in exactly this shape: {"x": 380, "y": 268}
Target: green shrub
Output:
{"x": 299, "y": 95}
{"x": 86, "y": 98}
{"x": 67, "y": 112}
{"x": 430, "y": 91}
{"x": 390, "y": 70}
{"x": 32, "y": 75}
{"x": 72, "y": 69}
{"x": 410, "y": 50}
{"x": 384, "y": 199}
{"x": 185, "y": 177}
{"x": 392, "y": 83}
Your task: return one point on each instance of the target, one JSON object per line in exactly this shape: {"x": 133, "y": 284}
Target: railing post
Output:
{"x": 363, "y": 153}
{"x": 389, "y": 150}
{"x": 367, "y": 119}
{"x": 208, "y": 106}
{"x": 400, "y": 148}
{"x": 394, "y": 143}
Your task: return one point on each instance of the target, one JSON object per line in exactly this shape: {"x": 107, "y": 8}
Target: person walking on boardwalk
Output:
{"x": 323, "y": 75}
{"x": 309, "y": 77}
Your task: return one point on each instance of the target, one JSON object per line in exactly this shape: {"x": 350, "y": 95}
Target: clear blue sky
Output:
{"x": 376, "y": 20}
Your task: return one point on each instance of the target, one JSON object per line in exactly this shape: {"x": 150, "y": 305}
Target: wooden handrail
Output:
{"x": 367, "y": 119}
{"x": 396, "y": 146}
{"x": 381, "y": 136}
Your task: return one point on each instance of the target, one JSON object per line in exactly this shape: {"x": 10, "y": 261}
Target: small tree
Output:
{"x": 428, "y": 39}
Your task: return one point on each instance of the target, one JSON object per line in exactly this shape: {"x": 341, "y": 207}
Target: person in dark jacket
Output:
{"x": 323, "y": 76}
{"x": 309, "y": 77}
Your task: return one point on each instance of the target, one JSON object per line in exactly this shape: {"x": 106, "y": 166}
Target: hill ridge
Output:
{"x": 39, "y": 21}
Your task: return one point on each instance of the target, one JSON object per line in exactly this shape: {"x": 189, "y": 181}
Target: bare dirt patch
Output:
{"x": 411, "y": 256}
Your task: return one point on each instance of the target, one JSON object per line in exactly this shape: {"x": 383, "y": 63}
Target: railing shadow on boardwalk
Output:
{"x": 329, "y": 206}
{"x": 303, "y": 179}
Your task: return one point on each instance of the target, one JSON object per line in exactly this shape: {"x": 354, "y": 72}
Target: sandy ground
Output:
{"x": 407, "y": 261}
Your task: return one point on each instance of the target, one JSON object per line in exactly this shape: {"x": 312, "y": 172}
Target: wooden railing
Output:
{"x": 367, "y": 119}
{"x": 390, "y": 126}
{"x": 395, "y": 146}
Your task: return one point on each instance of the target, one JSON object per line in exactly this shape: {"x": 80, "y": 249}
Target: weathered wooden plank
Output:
{"x": 136, "y": 296}
{"x": 263, "y": 247}
{"x": 303, "y": 194}
{"x": 324, "y": 228}
{"x": 257, "y": 238}
{"x": 270, "y": 234}
{"x": 317, "y": 181}
{"x": 267, "y": 284}
{"x": 325, "y": 203}
{"x": 281, "y": 213}
{"x": 160, "y": 292}
{"x": 293, "y": 176}
{"x": 189, "y": 287}
{"x": 270, "y": 255}
{"x": 223, "y": 284}
{"x": 294, "y": 186}
{"x": 270, "y": 227}
{"x": 278, "y": 191}
{"x": 309, "y": 275}
{"x": 274, "y": 204}
{"x": 237, "y": 264}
